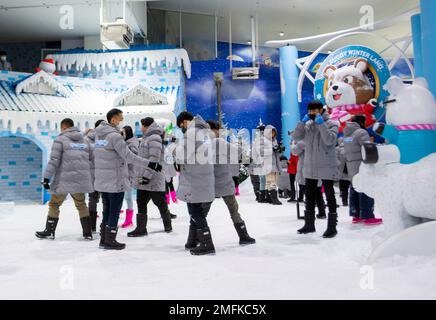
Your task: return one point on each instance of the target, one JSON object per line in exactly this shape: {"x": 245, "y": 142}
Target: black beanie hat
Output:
{"x": 315, "y": 104}
{"x": 185, "y": 115}
{"x": 360, "y": 119}
{"x": 146, "y": 122}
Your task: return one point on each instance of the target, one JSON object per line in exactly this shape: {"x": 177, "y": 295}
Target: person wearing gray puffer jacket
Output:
{"x": 319, "y": 134}
{"x": 112, "y": 176}
{"x": 344, "y": 179}
{"x": 355, "y": 136}
{"x": 196, "y": 180}
{"x": 225, "y": 153}
{"x": 151, "y": 184}
{"x": 69, "y": 172}
{"x": 93, "y": 197}
{"x": 133, "y": 144}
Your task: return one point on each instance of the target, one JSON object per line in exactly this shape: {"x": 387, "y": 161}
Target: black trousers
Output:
{"x": 111, "y": 210}
{"x": 198, "y": 213}
{"x": 312, "y": 193}
{"x": 255, "y": 182}
{"x": 143, "y": 197}
{"x": 301, "y": 192}
{"x": 292, "y": 181}
{"x": 169, "y": 186}
{"x": 236, "y": 181}
{"x": 344, "y": 187}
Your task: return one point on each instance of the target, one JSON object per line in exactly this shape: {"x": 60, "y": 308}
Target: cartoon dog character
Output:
{"x": 350, "y": 92}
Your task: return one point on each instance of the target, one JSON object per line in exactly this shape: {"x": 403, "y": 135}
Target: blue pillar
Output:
{"x": 289, "y": 80}
{"x": 428, "y": 29}
{"x": 417, "y": 45}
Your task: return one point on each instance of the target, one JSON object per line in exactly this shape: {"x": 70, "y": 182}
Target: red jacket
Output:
{"x": 292, "y": 164}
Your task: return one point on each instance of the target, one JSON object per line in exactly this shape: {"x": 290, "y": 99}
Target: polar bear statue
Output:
{"x": 401, "y": 175}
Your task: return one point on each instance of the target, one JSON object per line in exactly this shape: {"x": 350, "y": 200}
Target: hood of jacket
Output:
{"x": 73, "y": 134}
{"x": 198, "y": 123}
{"x": 104, "y": 129}
{"x": 154, "y": 128}
{"x": 91, "y": 135}
{"x": 350, "y": 128}
{"x": 269, "y": 129}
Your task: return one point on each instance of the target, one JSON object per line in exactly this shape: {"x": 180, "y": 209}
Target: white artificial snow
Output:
{"x": 41, "y": 83}
{"x": 128, "y": 59}
{"x": 281, "y": 265}
{"x": 140, "y": 96}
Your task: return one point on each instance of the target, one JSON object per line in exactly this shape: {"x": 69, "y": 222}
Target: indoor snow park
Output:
{"x": 242, "y": 150}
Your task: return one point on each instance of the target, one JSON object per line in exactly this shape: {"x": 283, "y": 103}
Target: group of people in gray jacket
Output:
{"x": 96, "y": 163}
{"x": 203, "y": 158}
{"x": 324, "y": 160}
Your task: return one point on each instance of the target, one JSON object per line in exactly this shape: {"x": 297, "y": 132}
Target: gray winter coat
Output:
{"x": 265, "y": 159}
{"x": 196, "y": 180}
{"x": 170, "y": 170}
{"x": 298, "y": 150}
{"x": 152, "y": 148}
{"x": 111, "y": 158}
{"x": 133, "y": 145}
{"x": 283, "y": 181}
{"x": 354, "y": 138}
{"x": 320, "y": 161}
{"x": 224, "y": 185}
{"x": 340, "y": 154}
{"x": 90, "y": 139}
{"x": 69, "y": 167}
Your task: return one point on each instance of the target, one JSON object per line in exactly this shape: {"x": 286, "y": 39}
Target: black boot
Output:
{"x": 141, "y": 226}
{"x": 262, "y": 196}
{"x": 102, "y": 235}
{"x": 345, "y": 201}
{"x": 244, "y": 238}
{"x": 50, "y": 228}
{"x": 93, "y": 219}
{"x": 332, "y": 222}
{"x": 309, "y": 223}
{"x": 273, "y": 196}
{"x": 192, "y": 241}
{"x": 281, "y": 194}
{"x": 206, "y": 245}
{"x": 166, "y": 218}
{"x": 268, "y": 197}
{"x": 321, "y": 212}
{"x": 86, "y": 227}
{"x": 110, "y": 242}
{"x": 257, "y": 194}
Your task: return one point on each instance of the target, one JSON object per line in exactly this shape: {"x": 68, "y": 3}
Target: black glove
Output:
{"x": 143, "y": 181}
{"x": 45, "y": 184}
{"x": 173, "y": 139}
{"x": 155, "y": 166}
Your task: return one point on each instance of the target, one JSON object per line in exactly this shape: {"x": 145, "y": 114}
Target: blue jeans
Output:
{"x": 262, "y": 183}
{"x": 111, "y": 212}
{"x": 361, "y": 206}
{"x": 128, "y": 196}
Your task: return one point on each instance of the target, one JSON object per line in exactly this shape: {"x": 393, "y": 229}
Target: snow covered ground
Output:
{"x": 282, "y": 265}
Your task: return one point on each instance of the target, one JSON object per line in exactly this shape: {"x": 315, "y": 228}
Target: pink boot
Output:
{"x": 237, "y": 191}
{"x": 357, "y": 220}
{"x": 174, "y": 196}
{"x": 167, "y": 197}
{"x": 373, "y": 221}
{"x": 128, "y": 221}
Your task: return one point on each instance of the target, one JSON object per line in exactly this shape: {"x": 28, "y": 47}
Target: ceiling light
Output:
{"x": 249, "y": 43}
{"x": 281, "y": 34}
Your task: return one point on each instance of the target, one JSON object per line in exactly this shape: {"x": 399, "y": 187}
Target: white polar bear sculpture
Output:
{"x": 404, "y": 194}
{"x": 404, "y": 191}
